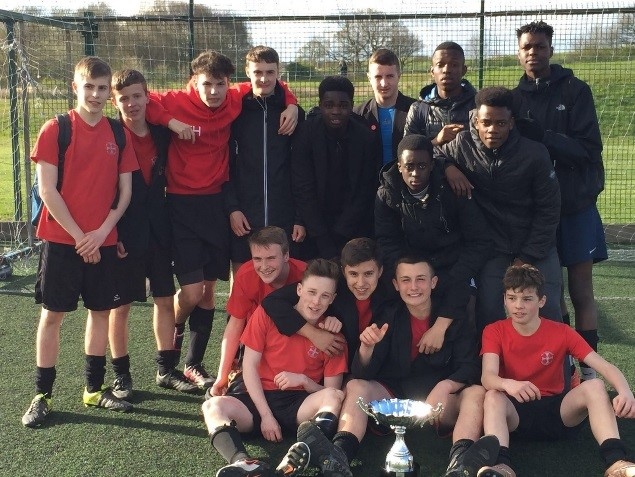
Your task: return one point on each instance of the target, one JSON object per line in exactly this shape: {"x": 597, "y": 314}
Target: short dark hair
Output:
{"x": 270, "y": 235}
{"x": 385, "y": 57}
{"x": 360, "y": 250}
{"x": 523, "y": 277}
{"x": 336, "y": 83}
{"x": 321, "y": 267}
{"x": 212, "y": 63}
{"x": 413, "y": 259}
{"x": 93, "y": 67}
{"x": 495, "y": 96}
{"x": 262, "y": 53}
{"x": 414, "y": 142}
{"x": 536, "y": 27}
{"x": 450, "y": 45}
{"x": 124, "y": 78}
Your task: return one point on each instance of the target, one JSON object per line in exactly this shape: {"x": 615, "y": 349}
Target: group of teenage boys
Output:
{"x": 496, "y": 188}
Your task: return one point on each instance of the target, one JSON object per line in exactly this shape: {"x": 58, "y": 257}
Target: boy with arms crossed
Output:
{"x": 283, "y": 376}
{"x": 269, "y": 269}
{"x": 145, "y": 240}
{"x": 198, "y": 168}
{"x": 77, "y": 225}
{"x": 523, "y": 357}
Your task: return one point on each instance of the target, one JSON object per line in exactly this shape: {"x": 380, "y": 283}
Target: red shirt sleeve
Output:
{"x": 578, "y": 348}
{"x": 156, "y": 113}
{"x": 491, "y": 342}
{"x": 255, "y": 333}
{"x": 335, "y": 365}
{"x": 46, "y": 148}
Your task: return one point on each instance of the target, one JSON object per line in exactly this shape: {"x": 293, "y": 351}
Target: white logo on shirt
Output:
{"x": 561, "y": 107}
{"x": 197, "y": 130}
{"x": 546, "y": 358}
{"x": 313, "y": 352}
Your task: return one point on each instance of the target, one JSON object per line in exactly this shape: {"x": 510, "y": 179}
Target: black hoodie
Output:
{"x": 563, "y": 105}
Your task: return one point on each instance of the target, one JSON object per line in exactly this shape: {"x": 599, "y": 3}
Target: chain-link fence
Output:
{"x": 42, "y": 46}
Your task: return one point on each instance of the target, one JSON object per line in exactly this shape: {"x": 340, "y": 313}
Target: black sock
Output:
{"x": 327, "y": 422}
{"x": 95, "y": 372}
{"x": 612, "y": 450}
{"x": 166, "y": 361}
{"x": 44, "y": 379}
{"x": 227, "y": 441}
{"x": 458, "y": 449}
{"x": 503, "y": 456}
{"x": 347, "y": 441}
{"x": 121, "y": 366}
{"x": 200, "y": 330}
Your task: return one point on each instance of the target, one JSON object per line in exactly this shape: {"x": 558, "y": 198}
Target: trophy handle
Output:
{"x": 364, "y": 407}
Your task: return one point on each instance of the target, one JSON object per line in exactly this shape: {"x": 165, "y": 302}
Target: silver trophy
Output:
{"x": 400, "y": 414}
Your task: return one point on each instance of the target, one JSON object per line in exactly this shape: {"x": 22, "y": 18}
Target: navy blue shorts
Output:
{"x": 541, "y": 419}
{"x": 200, "y": 230}
{"x": 63, "y": 277}
{"x": 581, "y": 237}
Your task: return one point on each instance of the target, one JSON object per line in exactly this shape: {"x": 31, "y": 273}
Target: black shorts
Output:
{"x": 283, "y": 404}
{"x": 415, "y": 387}
{"x": 133, "y": 271}
{"x": 200, "y": 230}
{"x": 63, "y": 277}
{"x": 541, "y": 419}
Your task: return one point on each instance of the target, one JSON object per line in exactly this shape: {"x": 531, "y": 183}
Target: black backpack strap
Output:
{"x": 120, "y": 136}
{"x": 120, "y": 139}
{"x": 63, "y": 141}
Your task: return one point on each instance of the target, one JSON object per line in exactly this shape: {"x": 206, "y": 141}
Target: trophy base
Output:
{"x": 409, "y": 473}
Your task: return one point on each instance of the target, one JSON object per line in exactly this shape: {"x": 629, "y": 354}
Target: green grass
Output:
{"x": 165, "y": 435}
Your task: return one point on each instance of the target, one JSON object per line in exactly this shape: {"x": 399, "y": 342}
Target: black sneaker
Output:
{"x": 483, "y": 453}
{"x": 38, "y": 410}
{"x": 177, "y": 381}
{"x": 196, "y": 374}
{"x": 122, "y": 386}
{"x": 296, "y": 460}
{"x": 106, "y": 399}
{"x": 330, "y": 459}
{"x": 245, "y": 468}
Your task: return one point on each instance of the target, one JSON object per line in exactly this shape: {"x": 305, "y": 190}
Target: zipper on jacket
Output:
{"x": 263, "y": 105}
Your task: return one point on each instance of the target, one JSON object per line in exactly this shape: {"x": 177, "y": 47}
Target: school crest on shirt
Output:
{"x": 546, "y": 358}
{"x": 111, "y": 148}
{"x": 313, "y": 352}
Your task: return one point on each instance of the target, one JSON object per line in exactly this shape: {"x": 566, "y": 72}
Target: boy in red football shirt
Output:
{"x": 198, "y": 167}
{"x": 270, "y": 268}
{"x": 77, "y": 226}
{"x": 522, "y": 371}
{"x": 289, "y": 381}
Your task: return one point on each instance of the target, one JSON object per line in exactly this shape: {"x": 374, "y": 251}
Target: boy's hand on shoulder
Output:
{"x": 432, "y": 340}
{"x": 624, "y": 406}
{"x": 184, "y": 131}
{"x": 331, "y": 324}
{"x": 270, "y": 428}
{"x": 288, "y": 120}
{"x": 287, "y": 379}
{"x": 239, "y": 223}
{"x": 448, "y": 133}
{"x": 522, "y": 391}
{"x": 331, "y": 344}
{"x": 299, "y": 233}
{"x": 373, "y": 334}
